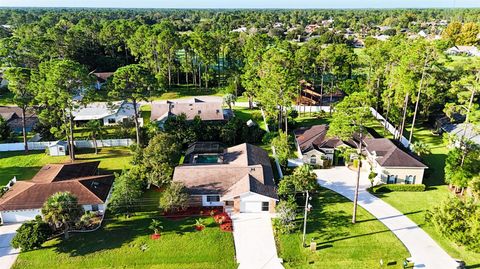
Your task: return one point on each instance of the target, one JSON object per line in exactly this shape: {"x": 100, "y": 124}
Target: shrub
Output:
{"x": 174, "y": 198}
{"x": 31, "y": 235}
{"x": 397, "y": 187}
{"x": 286, "y": 212}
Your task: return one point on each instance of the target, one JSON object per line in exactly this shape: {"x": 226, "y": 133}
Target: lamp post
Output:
{"x": 307, "y": 208}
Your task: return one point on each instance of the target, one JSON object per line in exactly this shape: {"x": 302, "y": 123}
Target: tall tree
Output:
{"x": 95, "y": 130}
{"x": 23, "y": 96}
{"x": 453, "y": 32}
{"x": 135, "y": 83}
{"x": 62, "y": 211}
{"x": 349, "y": 121}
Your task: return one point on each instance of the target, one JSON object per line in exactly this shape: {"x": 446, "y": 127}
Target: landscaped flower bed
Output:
{"x": 225, "y": 221}
{"x": 194, "y": 212}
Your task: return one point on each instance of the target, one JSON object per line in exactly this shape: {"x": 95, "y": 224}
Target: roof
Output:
{"x": 13, "y": 115}
{"x": 80, "y": 179}
{"x": 206, "y": 109}
{"x": 315, "y": 137}
{"x": 239, "y": 163}
{"x": 103, "y": 76}
{"x": 100, "y": 110}
{"x": 471, "y": 133}
{"x": 390, "y": 155}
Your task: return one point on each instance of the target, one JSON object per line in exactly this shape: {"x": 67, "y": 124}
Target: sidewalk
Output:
{"x": 8, "y": 255}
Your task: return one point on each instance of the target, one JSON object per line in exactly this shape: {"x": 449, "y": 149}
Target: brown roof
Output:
{"x": 32, "y": 194}
{"x": 390, "y": 155}
{"x": 241, "y": 162}
{"x": 206, "y": 110}
{"x": 13, "y": 116}
{"x": 315, "y": 137}
{"x": 103, "y": 76}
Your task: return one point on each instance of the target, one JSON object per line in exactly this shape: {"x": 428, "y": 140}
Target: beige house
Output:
{"x": 392, "y": 164}
{"x": 239, "y": 177}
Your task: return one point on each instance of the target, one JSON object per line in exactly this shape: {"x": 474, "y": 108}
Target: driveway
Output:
{"x": 254, "y": 243}
{"x": 8, "y": 255}
{"x": 426, "y": 253}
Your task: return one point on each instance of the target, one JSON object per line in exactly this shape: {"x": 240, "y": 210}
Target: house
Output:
{"x": 467, "y": 50}
{"x": 13, "y": 116}
{"x": 241, "y": 29}
{"x": 314, "y": 147}
{"x": 391, "y": 163}
{"x": 311, "y": 28}
{"x": 24, "y": 200}
{"x": 239, "y": 177}
{"x": 107, "y": 113}
{"x": 59, "y": 148}
{"x": 208, "y": 109}
{"x": 465, "y": 130}
{"x": 102, "y": 78}
{"x": 382, "y": 37}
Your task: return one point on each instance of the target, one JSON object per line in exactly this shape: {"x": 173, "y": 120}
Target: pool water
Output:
{"x": 206, "y": 158}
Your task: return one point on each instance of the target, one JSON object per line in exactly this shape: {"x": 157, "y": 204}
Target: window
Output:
{"x": 213, "y": 198}
{"x": 410, "y": 179}
{"x": 391, "y": 179}
{"x": 229, "y": 203}
{"x": 94, "y": 207}
{"x": 264, "y": 206}
{"x": 313, "y": 160}
{"x": 111, "y": 121}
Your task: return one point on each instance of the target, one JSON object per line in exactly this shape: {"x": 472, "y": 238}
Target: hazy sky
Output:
{"x": 242, "y": 3}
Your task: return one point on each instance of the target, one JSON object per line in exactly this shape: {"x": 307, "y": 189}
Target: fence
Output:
{"x": 125, "y": 142}
{"x": 311, "y": 109}
{"x": 389, "y": 127}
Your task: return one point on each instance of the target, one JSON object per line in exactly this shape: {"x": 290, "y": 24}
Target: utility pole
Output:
{"x": 307, "y": 208}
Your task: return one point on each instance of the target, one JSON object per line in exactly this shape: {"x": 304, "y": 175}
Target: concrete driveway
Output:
{"x": 426, "y": 253}
{"x": 254, "y": 243}
{"x": 8, "y": 255}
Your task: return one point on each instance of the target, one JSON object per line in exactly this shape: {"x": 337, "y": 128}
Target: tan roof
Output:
{"x": 32, "y": 194}
{"x": 239, "y": 163}
{"x": 205, "y": 109}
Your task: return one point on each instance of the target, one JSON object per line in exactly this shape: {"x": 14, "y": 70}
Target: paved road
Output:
{"x": 254, "y": 243}
{"x": 8, "y": 255}
{"x": 426, "y": 253}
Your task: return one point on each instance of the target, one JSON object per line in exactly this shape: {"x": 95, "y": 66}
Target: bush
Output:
{"x": 31, "y": 235}
{"x": 397, "y": 187}
{"x": 268, "y": 137}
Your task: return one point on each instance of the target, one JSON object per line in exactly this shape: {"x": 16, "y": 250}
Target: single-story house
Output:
{"x": 313, "y": 145}
{"x": 468, "y": 131}
{"x": 467, "y": 50}
{"x": 239, "y": 177}
{"x": 391, "y": 163}
{"x": 208, "y": 109}
{"x": 107, "y": 113}
{"x": 24, "y": 200}
{"x": 102, "y": 78}
{"x": 13, "y": 116}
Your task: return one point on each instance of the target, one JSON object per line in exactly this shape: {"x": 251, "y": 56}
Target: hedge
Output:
{"x": 397, "y": 187}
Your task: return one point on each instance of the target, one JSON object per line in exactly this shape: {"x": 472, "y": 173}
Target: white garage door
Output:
{"x": 19, "y": 216}
{"x": 250, "y": 207}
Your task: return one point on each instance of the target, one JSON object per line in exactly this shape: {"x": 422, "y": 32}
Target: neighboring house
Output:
{"x": 314, "y": 146}
{"x": 311, "y": 28}
{"x": 24, "y": 200}
{"x": 208, "y": 109}
{"x": 382, "y": 37}
{"x": 102, "y": 78}
{"x": 106, "y": 113}
{"x": 391, "y": 163}
{"x": 468, "y": 132}
{"x": 239, "y": 177}
{"x": 466, "y": 50}
{"x": 13, "y": 116}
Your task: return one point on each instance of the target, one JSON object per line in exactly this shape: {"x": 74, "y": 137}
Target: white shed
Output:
{"x": 59, "y": 148}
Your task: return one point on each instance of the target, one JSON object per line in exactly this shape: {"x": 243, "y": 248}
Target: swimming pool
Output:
{"x": 206, "y": 158}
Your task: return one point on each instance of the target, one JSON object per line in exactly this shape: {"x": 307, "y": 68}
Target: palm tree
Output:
{"x": 421, "y": 148}
{"x": 156, "y": 226}
{"x": 95, "y": 129}
{"x": 62, "y": 211}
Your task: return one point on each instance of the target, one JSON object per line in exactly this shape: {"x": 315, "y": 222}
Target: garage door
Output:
{"x": 19, "y": 216}
{"x": 252, "y": 207}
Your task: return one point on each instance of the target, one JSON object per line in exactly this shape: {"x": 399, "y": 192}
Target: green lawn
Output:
{"x": 25, "y": 166}
{"x": 341, "y": 244}
{"x": 246, "y": 114}
{"x": 187, "y": 91}
{"x": 125, "y": 243}
{"x": 415, "y": 204}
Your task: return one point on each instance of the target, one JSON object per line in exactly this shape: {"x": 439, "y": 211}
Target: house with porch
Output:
{"x": 238, "y": 177}
{"x": 24, "y": 200}
{"x": 392, "y": 164}
{"x": 108, "y": 113}
{"x": 315, "y": 148}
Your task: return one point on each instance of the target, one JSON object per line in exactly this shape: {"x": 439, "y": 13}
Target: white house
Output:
{"x": 392, "y": 164}
{"x": 467, "y": 50}
{"x": 239, "y": 177}
{"x": 24, "y": 200}
{"x": 107, "y": 113}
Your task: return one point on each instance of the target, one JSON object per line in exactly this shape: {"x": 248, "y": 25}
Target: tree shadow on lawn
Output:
{"x": 118, "y": 232}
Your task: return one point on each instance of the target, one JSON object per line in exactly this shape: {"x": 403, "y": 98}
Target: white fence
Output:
{"x": 311, "y": 109}
{"x": 389, "y": 127}
{"x": 125, "y": 142}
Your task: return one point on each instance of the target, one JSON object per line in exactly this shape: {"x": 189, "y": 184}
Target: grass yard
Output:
{"x": 415, "y": 204}
{"x": 246, "y": 114}
{"x": 25, "y": 166}
{"x": 125, "y": 243}
{"x": 341, "y": 244}
{"x": 183, "y": 91}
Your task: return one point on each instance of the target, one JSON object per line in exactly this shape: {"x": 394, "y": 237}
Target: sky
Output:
{"x": 242, "y": 3}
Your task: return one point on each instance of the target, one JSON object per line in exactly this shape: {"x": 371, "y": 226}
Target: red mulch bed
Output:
{"x": 194, "y": 212}
{"x": 225, "y": 221}
{"x": 155, "y": 236}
